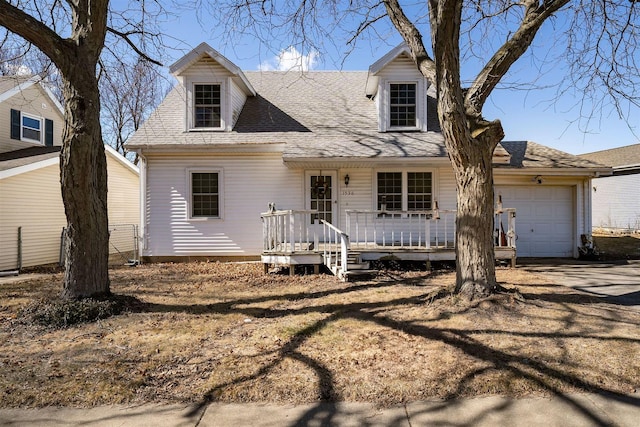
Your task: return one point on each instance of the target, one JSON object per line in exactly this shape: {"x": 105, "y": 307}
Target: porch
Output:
{"x": 298, "y": 237}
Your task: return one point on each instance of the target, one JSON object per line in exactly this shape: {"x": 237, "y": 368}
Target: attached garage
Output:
{"x": 545, "y": 219}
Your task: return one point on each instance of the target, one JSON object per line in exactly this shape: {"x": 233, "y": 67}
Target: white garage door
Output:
{"x": 544, "y": 219}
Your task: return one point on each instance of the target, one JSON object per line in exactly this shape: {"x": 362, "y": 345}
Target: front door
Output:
{"x": 322, "y": 195}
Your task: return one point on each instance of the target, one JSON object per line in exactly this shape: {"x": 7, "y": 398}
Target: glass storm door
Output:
{"x": 322, "y": 196}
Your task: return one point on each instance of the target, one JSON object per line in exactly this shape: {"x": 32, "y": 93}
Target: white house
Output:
{"x": 360, "y": 150}
{"x": 31, "y": 210}
{"x": 616, "y": 200}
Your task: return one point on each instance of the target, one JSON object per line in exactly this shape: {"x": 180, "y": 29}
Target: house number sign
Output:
{"x": 348, "y": 193}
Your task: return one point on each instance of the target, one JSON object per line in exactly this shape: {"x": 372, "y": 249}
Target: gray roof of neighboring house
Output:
{"x": 616, "y": 157}
{"x": 322, "y": 115}
{"x": 27, "y": 156}
{"x": 9, "y": 82}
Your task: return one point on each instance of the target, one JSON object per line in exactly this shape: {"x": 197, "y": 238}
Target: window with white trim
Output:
{"x": 404, "y": 191}
{"x": 419, "y": 191}
{"x": 205, "y": 194}
{"x": 31, "y": 128}
{"x": 402, "y": 105}
{"x": 390, "y": 191}
{"x": 207, "y": 106}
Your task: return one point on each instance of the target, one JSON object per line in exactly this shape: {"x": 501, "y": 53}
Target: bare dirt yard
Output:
{"x": 203, "y": 332}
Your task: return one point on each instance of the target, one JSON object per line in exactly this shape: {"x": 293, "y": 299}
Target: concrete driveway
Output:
{"x": 617, "y": 282}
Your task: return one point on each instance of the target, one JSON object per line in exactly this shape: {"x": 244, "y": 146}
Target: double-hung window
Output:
{"x": 419, "y": 191}
{"x": 402, "y": 105}
{"x": 31, "y": 128}
{"x": 205, "y": 195}
{"x": 207, "y": 107}
{"x": 390, "y": 191}
{"x": 404, "y": 191}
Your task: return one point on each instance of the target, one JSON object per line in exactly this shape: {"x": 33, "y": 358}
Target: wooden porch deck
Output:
{"x": 291, "y": 239}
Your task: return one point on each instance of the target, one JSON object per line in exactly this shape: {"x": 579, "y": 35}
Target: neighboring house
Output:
{"x": 361, "y": 150}
{"x": 31, "y": 206}
{"x": 615, "y": 198}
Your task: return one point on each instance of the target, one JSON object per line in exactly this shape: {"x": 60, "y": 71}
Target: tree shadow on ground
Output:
{"x": 537, "y": 372}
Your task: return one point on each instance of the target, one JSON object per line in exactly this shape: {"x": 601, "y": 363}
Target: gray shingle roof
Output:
{"x": 623, "y": 156}
{"x": 322, "y": 115}
{"x": 316, "y": 114}
{"x": 527, "y": 154}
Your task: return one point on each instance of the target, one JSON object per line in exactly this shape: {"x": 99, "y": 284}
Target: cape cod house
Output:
{"x": 616, "y": 202}
{"x": 31, "y": 211}
{"x": 332, "y": 166}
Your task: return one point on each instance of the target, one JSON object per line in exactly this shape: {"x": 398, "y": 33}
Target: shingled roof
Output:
{"x": 325, "y": 115}
{"x": 616, "y": 157}
{"x": 318, "y": 114}
{"x": 27, "y": 156}
{"x": 527, "y": 154}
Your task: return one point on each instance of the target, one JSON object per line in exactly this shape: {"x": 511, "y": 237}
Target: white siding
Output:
{"x": 33, "y": 201}
{"x": 402, "y": 69}
{"x": 34, "y": 101}
{"x": 238, "y": 98}
{"x": 206, "y": 66}
{"x": 446, "y": 189}
{"x": 358, "y": 195}
{"x": 206, "y": 70}
{"x": 251, "y": 182}
{"x": 616, "y": 202}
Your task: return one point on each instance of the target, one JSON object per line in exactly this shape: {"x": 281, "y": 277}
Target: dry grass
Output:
{"x": 227, "y": 332}
{"x": 617, "y": 246}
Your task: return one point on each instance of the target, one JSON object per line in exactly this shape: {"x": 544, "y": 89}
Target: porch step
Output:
{"x": 358, "y": 274}
{"x": 358, "y": 265}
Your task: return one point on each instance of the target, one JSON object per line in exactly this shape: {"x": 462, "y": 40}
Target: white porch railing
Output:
{"x": 505, "y": 239}
{"x": 336, "y": 249}
{"x": 289, "y": 231}
{"x": 401, "y": 229}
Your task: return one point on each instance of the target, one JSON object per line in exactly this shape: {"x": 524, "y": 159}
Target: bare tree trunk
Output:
{"x": 475, "y": 267}
{"x": 84, "y": 191}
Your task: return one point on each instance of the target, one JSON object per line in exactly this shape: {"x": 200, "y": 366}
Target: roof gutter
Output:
{"x": 593, "y": 172}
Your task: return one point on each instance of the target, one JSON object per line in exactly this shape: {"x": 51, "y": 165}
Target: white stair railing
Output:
{"x": 335, "y": 249}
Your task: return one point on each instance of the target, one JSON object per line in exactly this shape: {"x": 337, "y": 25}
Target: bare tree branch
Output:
{"x": 412, "y": 37}
{"x": 34, "y": 31}
{"x": 125, "y": 37}
{"x": 495, "y": 69}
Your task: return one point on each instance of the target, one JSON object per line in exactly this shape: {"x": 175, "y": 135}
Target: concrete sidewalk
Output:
{"x": 570, "y": 410}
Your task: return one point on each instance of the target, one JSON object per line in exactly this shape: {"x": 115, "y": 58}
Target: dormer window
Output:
{"x": 207, "y": 109}
{"x": 402, "y": 104}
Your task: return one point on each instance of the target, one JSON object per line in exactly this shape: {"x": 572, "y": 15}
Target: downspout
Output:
{"x": 142, "y": 235}
{"x": 588, "y": 200}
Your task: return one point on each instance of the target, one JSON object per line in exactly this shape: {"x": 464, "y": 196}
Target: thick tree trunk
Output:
{"x": 84, "y": 190}
{"x": 475, "y": 266}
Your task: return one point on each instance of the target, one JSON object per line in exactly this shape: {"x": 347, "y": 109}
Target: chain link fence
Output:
{"x": 123, "y": 245}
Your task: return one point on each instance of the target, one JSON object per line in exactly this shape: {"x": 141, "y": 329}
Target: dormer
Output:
{"x": 400, "y": 92}
{"x": 216, "y": 89}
